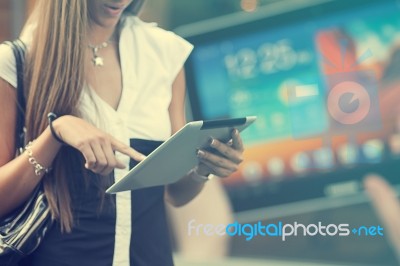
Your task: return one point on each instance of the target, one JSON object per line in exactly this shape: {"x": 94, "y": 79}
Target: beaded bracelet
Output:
{"x": 39, "y": 169}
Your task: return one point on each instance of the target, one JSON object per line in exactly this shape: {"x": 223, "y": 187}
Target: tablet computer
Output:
{"x": 177, "y": 155}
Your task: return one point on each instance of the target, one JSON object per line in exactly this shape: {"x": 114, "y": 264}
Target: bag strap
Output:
{"x": 19, "y": 48}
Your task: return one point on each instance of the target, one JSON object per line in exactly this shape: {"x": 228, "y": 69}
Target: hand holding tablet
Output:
{"x": 221, "y": 159}
{"x": 160, "y": 168}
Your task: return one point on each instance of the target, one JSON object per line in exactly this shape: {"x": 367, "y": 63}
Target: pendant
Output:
{"x": 98, "y": 61}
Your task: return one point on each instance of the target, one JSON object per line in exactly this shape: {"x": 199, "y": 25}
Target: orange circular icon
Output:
{"x": 358, "y": 94}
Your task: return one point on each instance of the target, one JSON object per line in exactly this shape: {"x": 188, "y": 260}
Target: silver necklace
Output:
{"x": 97, "y": 60}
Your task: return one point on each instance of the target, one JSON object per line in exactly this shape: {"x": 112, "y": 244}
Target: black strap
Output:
{"x": 19, "y": 48}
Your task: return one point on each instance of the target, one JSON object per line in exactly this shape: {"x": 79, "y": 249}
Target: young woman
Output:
{"x": 117, "y": 86}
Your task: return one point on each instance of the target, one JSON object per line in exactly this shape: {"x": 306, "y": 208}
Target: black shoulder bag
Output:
{"x": 22, "y": 231}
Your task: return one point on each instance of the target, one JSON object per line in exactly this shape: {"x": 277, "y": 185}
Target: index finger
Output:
{"x": 237, "y": 142}
{"x": 125, "y": 149}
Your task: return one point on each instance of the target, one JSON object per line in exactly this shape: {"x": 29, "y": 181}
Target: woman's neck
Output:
{"x": 98, "y": 34}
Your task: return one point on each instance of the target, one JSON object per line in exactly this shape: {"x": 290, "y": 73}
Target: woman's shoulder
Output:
{"x": 6, "y": 52}
{"x": 7, "y": 59}
{"x": 156, "y": 43}
{"x": 7, "y": 64}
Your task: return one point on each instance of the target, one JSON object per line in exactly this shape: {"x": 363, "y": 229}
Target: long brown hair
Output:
{"x": 55, "y": 79}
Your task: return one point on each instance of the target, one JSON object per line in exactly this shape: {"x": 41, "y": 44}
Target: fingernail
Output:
{"x": 212, "y": 142}
{"x": 235, "y": 131}
{"x": 200, "y": 153}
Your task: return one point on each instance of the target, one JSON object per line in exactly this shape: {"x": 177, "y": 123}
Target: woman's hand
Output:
{"x": 387, "y": 206}
{"x": 226, "y": 158}
{"x": 96, "y": 146}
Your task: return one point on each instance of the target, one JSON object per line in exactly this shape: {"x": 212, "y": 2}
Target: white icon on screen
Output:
{"x": 241, "y": 97}
{"x": 261, "y": 123}
{"x": 278, "y": 120}
{"x": 276, "y": 167}
{"x": 252, "y": 172}
{"x": 300, "y": 162}
{"x": 323, "y": 158}
{"x": 348, "y": 154}
{"x": 308, "y": 90}
{"x": 373, "y": 149}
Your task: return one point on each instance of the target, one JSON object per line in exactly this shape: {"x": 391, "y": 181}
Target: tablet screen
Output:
{"x": 324, "y": 84}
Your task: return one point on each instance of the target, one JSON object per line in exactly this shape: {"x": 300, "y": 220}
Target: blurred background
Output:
{"x": 281, "y": 60}
{"x": 168, "y": 13}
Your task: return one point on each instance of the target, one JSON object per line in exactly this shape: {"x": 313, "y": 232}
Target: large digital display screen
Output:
{"x": 324, "y": 86}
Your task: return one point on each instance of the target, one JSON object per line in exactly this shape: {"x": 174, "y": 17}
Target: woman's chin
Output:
{"x": 107, "y": 22}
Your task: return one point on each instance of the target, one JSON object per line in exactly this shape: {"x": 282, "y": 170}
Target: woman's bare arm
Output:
{"x": 17, "y": 176}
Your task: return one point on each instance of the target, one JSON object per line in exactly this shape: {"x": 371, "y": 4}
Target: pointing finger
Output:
{"x": 122, "y": 148}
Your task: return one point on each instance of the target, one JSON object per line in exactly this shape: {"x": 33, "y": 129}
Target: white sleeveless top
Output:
{"x": 150, "y": 61}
